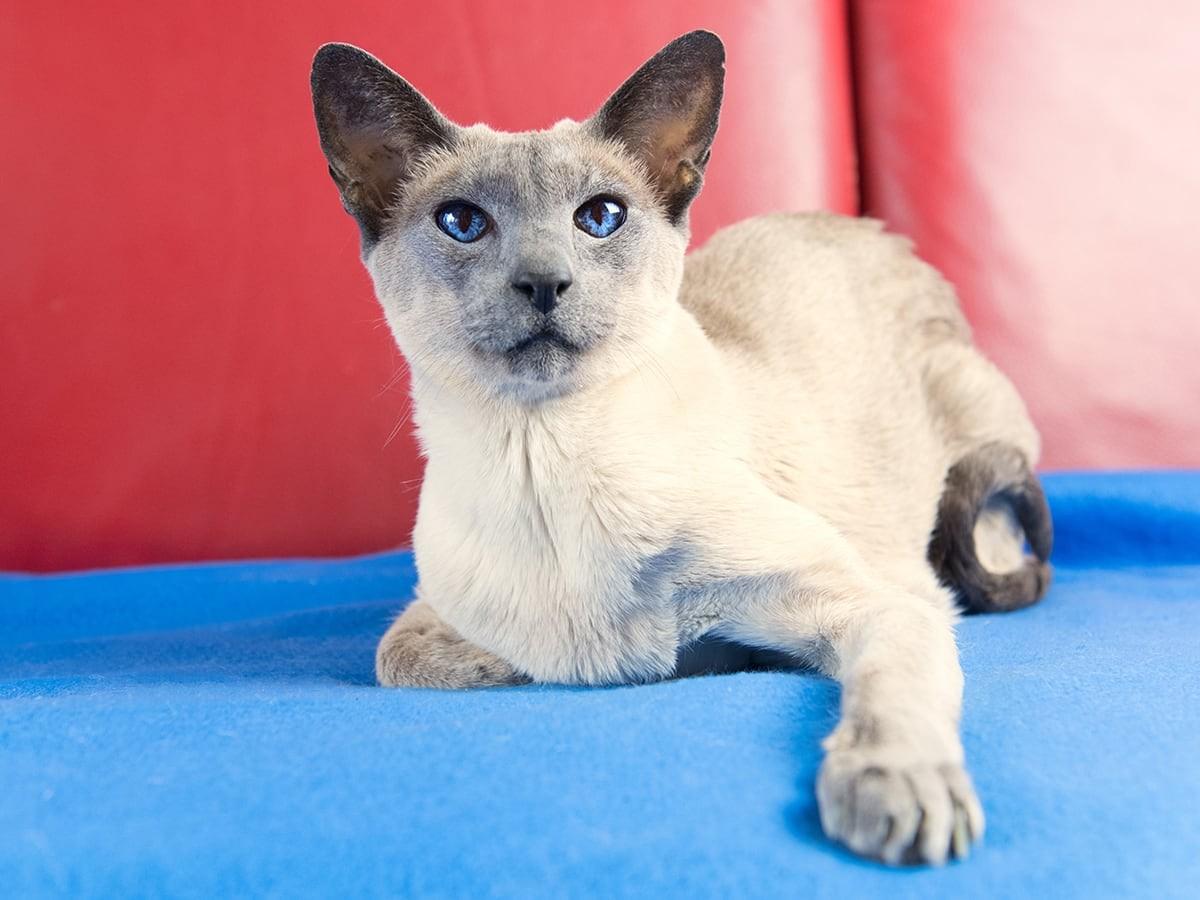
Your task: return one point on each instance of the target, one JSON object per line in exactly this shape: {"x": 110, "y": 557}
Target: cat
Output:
{"x": 784, "y": 441}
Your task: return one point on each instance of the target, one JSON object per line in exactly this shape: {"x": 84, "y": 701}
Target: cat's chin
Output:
{"x": 535, "y": 369}
{"x": 541, "y": 360}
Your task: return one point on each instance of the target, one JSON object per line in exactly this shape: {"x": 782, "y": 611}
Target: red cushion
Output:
{"x": 1044, "y": 156}
{"x": 193, "y": 365}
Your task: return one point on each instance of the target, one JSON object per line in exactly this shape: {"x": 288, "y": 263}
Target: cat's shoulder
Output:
{"x": 754, "y": 259}
{"x": 766, "y": 279}
{"x": 796, "y": 231}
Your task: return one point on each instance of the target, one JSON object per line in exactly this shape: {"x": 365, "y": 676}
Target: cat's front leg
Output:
{"x": 420, "y": 650}
{"x": 892, "y": 786}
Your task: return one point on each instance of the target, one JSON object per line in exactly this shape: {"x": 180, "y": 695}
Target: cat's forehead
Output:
{"x": 528, "y": 169}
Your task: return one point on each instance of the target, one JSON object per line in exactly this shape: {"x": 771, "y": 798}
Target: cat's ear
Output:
{"x": 666, "y": 115}
{"x": 374, "y": 127}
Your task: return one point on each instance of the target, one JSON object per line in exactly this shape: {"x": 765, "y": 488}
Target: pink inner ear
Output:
{"x": 376, "y": 165}
{"x": 674, "y": 145}
{"x": 670, "y": 145}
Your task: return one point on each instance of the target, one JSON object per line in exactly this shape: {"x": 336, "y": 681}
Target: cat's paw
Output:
{"x": 426, "y": 652}
{"x": 898, "y": 814}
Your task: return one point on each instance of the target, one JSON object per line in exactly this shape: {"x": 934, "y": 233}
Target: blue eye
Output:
{"x": 462, "y": 221}
{"x": 600, "y": 216}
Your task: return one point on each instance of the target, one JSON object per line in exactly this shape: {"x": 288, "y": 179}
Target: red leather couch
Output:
{"x": 191, "y": 362}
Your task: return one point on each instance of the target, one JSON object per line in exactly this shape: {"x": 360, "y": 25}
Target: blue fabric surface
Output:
{"x": 213, "y": 730}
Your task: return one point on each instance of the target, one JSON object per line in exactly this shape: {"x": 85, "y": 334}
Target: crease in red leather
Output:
{"x": 1038, "y": 154}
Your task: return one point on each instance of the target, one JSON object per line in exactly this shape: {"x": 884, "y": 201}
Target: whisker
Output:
{"x": 656, "y": 366}
{"x": 396, "y": 378}
{"x": 404, "y": 419}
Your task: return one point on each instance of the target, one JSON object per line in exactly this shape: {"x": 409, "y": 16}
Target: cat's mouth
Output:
{"x": 544, "y": 357}
{"x": 544, "y": 338}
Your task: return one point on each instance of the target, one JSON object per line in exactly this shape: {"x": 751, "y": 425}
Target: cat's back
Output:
{"x": 784, "y": 284}
{"x": 827, "y": 324}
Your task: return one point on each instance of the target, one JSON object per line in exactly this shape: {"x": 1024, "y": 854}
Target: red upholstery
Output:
{"x": 191, "y": 361}
{"x": 1044, "y": 156}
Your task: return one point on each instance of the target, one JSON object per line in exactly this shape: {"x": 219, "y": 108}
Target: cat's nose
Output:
{"x": 543, "y": 290}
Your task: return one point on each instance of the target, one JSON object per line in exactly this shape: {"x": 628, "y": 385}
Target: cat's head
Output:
{"x": 528, "y": 264}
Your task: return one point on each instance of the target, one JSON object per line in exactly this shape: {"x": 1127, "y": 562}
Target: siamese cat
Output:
{"x": 783, "y": 441}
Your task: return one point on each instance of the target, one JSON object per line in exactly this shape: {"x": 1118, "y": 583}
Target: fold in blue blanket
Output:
{"x": 213, "y": 730}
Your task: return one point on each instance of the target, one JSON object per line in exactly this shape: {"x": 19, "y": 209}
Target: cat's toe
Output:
{"x": 909, "y": 814}
{"x": 436, "y": 657}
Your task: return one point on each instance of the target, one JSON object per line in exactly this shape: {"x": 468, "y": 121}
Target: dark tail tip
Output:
{"x": 992, "y": 472}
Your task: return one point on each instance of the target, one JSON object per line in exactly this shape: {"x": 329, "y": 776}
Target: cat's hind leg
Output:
{"x": 992, "y": 504}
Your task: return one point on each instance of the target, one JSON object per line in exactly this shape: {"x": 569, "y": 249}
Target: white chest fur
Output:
{"x": 530, "y": 543}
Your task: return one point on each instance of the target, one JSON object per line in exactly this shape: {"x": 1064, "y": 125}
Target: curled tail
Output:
{"x": 991, "y": 495}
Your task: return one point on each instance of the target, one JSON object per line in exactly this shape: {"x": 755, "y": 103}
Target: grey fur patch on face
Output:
{"x": 462, "y": 312}
{"x": 460, "y": 305}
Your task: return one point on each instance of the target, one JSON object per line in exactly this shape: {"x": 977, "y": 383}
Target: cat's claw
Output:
{"x": 898, "y": 814}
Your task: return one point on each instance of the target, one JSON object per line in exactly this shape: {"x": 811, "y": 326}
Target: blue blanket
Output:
{"x": 212, "y": 730}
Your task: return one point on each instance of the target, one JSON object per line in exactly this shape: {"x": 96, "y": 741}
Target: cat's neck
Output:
{"x": 463, "y": 422}
{"x": 472, "y": 426}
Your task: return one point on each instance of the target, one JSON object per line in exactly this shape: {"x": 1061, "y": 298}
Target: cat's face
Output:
{"x": 499, "y": 265}
{"x": 530, "y": 264}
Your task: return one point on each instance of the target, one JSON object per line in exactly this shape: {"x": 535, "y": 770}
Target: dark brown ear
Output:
{"x": 374, "y": 126}
{"x": 666, "y": 114}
